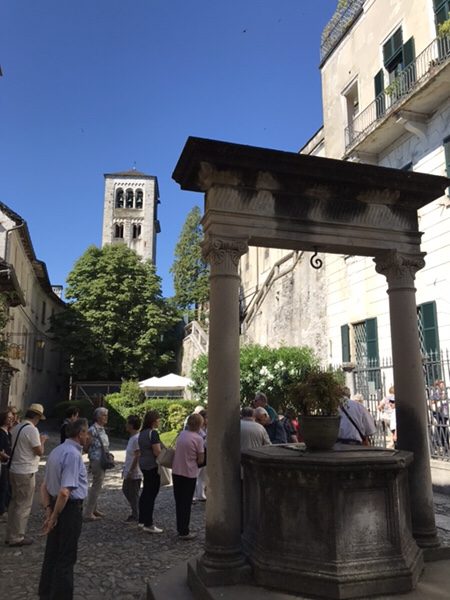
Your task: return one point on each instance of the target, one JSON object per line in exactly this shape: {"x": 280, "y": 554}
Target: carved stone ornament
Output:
{"x": 219, "y": 251}
{"x": 399, "y": 269}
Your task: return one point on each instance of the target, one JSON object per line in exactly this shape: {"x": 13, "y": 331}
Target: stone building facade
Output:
{"x": 385, "y": 88}
{"x": 34, "y": 368}
{"x": 130, "y": 214}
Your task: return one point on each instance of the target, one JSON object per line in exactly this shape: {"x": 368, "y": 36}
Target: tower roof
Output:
{"x": 130, "y": 173}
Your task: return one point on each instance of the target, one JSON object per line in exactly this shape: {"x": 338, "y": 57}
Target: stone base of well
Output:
{"x": 330, "y": 524}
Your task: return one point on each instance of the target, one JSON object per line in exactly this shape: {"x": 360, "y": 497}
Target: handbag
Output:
{"x": 106, "y": 458}
{"x": 165, "y": 475}
{"x": 165, "y": 457}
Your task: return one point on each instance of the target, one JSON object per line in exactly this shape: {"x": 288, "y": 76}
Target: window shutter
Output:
{"x": 372, "y": 341}
{"x": 408, "y": 52}
{"x": 447, "y": 155}
{"x": 430, "y": 327}
{"x": 392, "y": 47}
{"x": 345, "y": 341}
{"x": 379, "y": 82}
{"x": 379, "y": 96}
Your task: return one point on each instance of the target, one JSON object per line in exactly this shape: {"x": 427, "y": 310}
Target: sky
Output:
{"x": 98, "y": 86}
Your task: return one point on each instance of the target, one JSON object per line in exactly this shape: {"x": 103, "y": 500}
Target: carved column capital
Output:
{"x": 399, "y": 269}
{"x": 223, "y": 254}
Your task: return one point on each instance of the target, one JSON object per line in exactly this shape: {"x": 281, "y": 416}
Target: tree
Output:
{"x": 190, "y": 271}
{"x": 116, "y": 320}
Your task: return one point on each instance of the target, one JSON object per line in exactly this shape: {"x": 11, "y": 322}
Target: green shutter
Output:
{"x": 447, "y": 155}
{"x": 409, "y": 54}
{"x": 392, "y": 47}
{"x": 430, "y": 327}
{"x": 372, "y": 341}
{"x": 345, "y": 340}
{"x": 379, "y": 82}
{"x": 441, "y": 15}
{"x": 379, "y": 96}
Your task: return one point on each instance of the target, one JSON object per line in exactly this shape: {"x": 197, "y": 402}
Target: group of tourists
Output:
{"x": 261, "y": 425}
{"x": 68, "y": 499}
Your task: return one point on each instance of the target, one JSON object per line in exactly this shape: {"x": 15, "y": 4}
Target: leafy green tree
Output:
{"x": 189, "y": 269}
{"x": 116, "y": 321}
{"x": 270, "y": 370}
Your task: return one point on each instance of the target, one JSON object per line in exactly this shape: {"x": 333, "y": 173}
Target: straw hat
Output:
{"x": 38, "y": 409}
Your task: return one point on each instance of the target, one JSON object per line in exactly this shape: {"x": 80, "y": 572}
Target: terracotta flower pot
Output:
{"x": 319, "y": 433}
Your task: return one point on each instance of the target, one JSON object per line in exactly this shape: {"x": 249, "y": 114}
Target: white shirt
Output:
{"x": 25, "y": 461}
{"x": 253, "y": 435}
{"x": 132, "y": 447}
{"x": 361, "y": 416}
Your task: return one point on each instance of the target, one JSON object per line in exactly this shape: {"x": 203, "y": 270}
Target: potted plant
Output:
{"x": 317, "y": 399}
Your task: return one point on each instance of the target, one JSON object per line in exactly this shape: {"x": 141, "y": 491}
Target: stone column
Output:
{"x": 223, "y": 553}
{"x": 410, "y": 395}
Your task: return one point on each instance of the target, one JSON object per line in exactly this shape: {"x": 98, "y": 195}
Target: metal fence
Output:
{"x": 372, "y": 379}
{"x": 422, "y": 68}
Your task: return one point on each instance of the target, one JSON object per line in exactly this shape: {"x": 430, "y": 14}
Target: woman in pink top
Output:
{"x": 189, "y": 454}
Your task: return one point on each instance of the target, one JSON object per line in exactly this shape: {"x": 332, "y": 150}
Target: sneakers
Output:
{"x": 140, "y": 525}
{"x": 188, "y": 536}
{"x": 153, "y": 529}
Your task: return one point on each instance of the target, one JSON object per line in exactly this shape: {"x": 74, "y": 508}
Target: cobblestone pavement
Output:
{"x": 115, "y": 560}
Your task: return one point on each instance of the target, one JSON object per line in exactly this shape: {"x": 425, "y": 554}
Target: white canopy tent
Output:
{"x": 171, "y": 385}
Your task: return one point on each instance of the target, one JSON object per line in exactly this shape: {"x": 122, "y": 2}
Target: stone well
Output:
{"x": 331, "y": 524}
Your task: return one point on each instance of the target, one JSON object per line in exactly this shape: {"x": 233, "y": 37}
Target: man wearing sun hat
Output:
{"x": 27, "y": 446}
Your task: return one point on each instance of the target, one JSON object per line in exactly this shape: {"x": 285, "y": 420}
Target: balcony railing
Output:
{"x": 398, "y": 90}
{"x": 338, "y": 26}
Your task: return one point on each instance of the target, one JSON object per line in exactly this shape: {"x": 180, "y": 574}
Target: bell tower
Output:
{"x": 130, "y": 212}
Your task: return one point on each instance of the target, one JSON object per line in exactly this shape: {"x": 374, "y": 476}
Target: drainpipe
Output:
{"x": 6, "y": 237}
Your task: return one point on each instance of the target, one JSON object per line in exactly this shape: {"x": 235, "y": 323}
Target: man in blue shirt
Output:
{"x": 62, "y": 493}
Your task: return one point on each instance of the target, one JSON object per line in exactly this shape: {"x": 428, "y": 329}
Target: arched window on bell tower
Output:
{"x": 136, "y": 232}
{"x": 119, "y": 198}
{"x": 129, "y": 202}
{"x": 118, "y": 231}
{"x": 139, "y": 198}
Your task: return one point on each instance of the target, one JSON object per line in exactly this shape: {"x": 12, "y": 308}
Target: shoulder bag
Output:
{"x": 15, "y": 444}
{"x": 106, "y": 458}
{"x": 365, "y": 440}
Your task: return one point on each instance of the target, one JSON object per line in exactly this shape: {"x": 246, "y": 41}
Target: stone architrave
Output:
{"x": 223, "y": 551}
{"x": 412, "y": 424}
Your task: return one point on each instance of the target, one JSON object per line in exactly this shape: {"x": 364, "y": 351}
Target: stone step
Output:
{"x": 171, "y": 585}
{"x": 434, "y": 584}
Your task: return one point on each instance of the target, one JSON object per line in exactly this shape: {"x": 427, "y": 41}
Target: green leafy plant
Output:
{"x": 270, "y": 370}
{"x": 444, "y": 29}
{"x": 394, "y": 88}
{"x": 319, "y": 394}
{"x": 120, "y": 408}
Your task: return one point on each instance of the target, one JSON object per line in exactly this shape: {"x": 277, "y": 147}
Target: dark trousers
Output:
{"x": 150, "y": 490}
{"x": 183, "y": 490}
{"x": 131, "y": 489}
{"x": 5, "y": 489}
{"x": 56, "y": 581}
